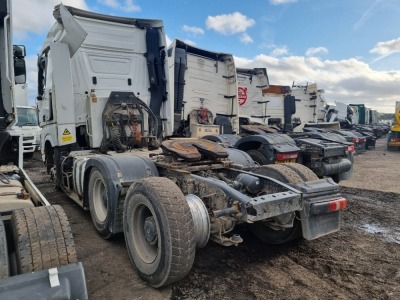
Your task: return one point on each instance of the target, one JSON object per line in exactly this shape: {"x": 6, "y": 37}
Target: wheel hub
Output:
{"x": 150, "y": 231}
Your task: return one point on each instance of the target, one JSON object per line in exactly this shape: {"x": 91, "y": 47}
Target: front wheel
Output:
{"x": 159, "y": 231}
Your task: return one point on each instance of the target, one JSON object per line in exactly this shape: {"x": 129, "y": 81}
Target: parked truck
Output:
{"x": 108, "y": 115}
{"x": 37, "y": 252}
{"x": 27, "y": 126}
{"x": 393, "y": 138}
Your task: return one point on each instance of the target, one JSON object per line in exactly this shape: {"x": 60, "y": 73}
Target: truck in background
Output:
{"x": 110, "y": 150}
{"x": 393, "y": 138}
{"x": 326, "y": 154}
{"x": 26, "y": 124}
{"x": 37, "y": 252}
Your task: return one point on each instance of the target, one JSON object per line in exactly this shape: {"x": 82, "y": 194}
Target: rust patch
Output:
{"x": 194, "y": 149}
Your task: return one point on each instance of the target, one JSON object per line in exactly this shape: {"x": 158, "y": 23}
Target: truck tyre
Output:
{"x": 99, "y": 203}
{"x": 4, "y": 261}
{"x": 258, "y": 156}
{"x": 305, "y": 173}
{"x": 42, "y": 238}
{"x": 261, "y": 229}
{"x": 159, "y": 231}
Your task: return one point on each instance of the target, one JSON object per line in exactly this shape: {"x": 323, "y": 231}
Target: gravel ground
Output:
{"x": 361, "y": 261}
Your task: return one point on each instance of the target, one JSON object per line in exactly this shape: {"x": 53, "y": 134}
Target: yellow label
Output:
{"x": 66, "y": 138}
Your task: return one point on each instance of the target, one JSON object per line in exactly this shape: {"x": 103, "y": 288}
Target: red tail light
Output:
{"x": 395, "y": 139}
{"x": 363, "y": 140}
{"x": 285, "y": 156}
{"x": 337, "y": 205}
{"x": 355, "y": 140}
{"x": 350, "y": 148}
{"x": 328, "y": 207}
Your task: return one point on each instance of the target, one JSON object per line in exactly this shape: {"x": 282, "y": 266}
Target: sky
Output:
{"x": 350, "y": 48}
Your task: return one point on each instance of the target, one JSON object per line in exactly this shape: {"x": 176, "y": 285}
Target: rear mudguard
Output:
{"x": 316, "y": 194}
{"x": 227, "y": 140}
{"x": 241, "y": 158}
{"x": 270, "y": 144}
{"x": 119, "y": 172}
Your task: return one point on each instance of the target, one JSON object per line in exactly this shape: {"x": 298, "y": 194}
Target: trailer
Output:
{"x": 110, "y": 143}
{"x": 37, "y": 252}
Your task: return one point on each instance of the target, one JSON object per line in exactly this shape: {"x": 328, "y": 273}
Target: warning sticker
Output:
{"x": 66, "y": 136}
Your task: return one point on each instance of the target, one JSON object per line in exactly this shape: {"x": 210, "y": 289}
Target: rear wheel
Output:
{"x": 159, "y": 231}
{"x": 42, "y": 238}
{"x": 258, "y": 157}
{"x": 99, "y": 203}
{"x": 305, "y": 173}
{"x": 264, "y": 230}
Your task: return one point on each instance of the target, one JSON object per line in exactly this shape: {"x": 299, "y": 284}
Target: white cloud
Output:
{"x": 387, "y": 47}
{"x": 125, "y": 5}
{"x": 193, "y": 30}
{"x": 229, "y": 24}
{"x": 37, "y": 17}
{"x": 278, "y": 2}
{"x": 315, "y": 51}
{"x": 280, "y": 51}
{"x": 347, "y": 81}
{"x": 246, "y": 39}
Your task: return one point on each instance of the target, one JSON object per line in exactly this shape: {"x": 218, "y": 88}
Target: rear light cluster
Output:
{"x": 328, "y": 207}
{"x": 350, "y": 148}
{"x": 355, "y": 140}
{"x": 286, "y": 156}
{"x": 336, "y": 205}
{"x": 396, "y": 140}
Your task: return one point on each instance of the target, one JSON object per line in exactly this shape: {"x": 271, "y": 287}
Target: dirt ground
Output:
{"x": 361, "y": 261}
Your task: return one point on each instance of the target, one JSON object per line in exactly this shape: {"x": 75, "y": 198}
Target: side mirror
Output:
{"x": 19, "y": 51}
{"x": 19, "y": 64}
{"x": 19, "y": 70}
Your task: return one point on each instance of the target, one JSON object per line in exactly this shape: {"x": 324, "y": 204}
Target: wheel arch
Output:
{"x": 119, "y": 172}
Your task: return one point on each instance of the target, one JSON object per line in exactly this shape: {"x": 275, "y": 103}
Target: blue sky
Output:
{"x": 350, "y": 48}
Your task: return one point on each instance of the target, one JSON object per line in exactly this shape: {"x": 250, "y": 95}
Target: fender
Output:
{"x": 226, "y": 140}
{"x": 119, "y": 173}
{"x": 278, "y": 142}
{"x": 47, "y": 138}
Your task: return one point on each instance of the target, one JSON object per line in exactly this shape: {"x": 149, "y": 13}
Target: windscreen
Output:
{"x": 27, "y": 117}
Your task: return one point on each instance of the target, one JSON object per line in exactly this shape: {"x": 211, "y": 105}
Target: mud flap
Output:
{"x": 316, "y": 221}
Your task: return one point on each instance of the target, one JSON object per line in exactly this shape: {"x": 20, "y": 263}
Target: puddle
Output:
{"x": 389, "y": 234}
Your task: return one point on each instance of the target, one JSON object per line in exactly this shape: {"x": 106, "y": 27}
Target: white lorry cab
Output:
{"x": 27, "y": 127}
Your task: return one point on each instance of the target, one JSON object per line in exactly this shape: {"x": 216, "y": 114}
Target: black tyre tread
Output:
{"x": 279, "y": 172}
{"x": 179, "y": 221}
{"x": 43, "y": 238}
{"x": 286, "y": 175}
{"x": 305, "y": 173}
{"x": 119, "y": 216}
{"x": 4, "y": 261}
{"x": 257, "y": 156}
{"x": 104, "y": 232}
